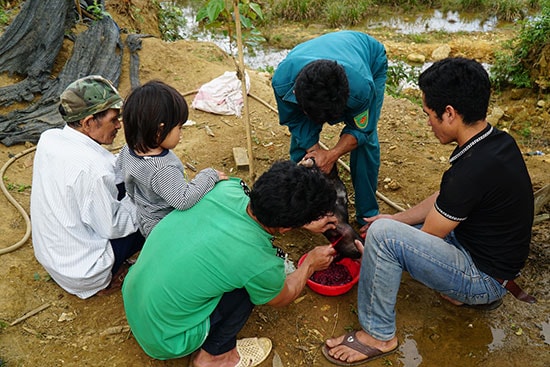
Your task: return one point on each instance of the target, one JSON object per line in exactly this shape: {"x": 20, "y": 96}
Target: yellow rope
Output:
{"x": 15, "y": 203}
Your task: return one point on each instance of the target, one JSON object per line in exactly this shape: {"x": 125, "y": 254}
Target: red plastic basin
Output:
{"x": 335, "y": 290}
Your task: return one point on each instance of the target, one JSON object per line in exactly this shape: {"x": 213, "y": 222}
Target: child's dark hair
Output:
{"x": 290, "y": 195}
{"x": 146, "y": 108}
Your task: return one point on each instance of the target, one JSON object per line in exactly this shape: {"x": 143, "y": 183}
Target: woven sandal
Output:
{"x": 253, "y": 351}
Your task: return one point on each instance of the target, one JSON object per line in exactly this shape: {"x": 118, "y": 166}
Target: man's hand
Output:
{"x": 321, "y": 225}
{"x": 324, "y": 159}
{"x": 360, "y": 246}
{"x": 319, "y": 258}
{"x": 370, "y": 220}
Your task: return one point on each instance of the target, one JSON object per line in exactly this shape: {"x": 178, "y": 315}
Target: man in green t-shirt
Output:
{"x": 202, "y": 270}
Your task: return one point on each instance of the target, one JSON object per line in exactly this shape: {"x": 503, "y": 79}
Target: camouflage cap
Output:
{"x": 88, "y": 96}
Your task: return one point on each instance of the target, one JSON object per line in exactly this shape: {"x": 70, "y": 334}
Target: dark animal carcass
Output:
{"x": 344, "y": 236}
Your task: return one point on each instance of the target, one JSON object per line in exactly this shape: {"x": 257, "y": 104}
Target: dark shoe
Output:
{"x": 485, "y": 307}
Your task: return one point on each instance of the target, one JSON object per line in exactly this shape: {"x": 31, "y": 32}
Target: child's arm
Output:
{"x": 170, "y": 184}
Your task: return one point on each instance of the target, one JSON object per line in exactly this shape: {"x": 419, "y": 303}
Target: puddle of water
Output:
{"x": 260, "y": 58}
{"x": 498, "y": 339}
{"x": 450, "y": 22}
{"x": 409, "y": 351}
{"x": 266, "y": 58}
{"x": 414, "y": 71}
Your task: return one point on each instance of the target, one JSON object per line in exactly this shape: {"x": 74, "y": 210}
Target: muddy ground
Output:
{"x": 94, "y": 332}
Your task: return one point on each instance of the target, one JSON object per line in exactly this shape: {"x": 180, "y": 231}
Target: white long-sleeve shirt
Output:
{"x": 74, "y": 210}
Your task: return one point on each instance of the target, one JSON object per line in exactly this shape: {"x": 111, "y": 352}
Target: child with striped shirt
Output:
{"x": 154, "y": 176}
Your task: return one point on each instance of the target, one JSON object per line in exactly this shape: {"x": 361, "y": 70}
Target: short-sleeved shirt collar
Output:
{"x": 459, "y": 151}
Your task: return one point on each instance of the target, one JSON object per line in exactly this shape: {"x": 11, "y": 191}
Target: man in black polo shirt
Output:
{"x": 467, "y": 241}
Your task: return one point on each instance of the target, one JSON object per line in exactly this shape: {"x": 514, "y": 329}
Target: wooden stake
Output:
{"x": 243, "y": 87}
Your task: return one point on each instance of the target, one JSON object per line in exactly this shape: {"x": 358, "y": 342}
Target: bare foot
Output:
{"x": 347, "y": 354}
{"x": 116, "y": 281}
{"x": 449, "y": 299}
{"x": 205, "y": 359}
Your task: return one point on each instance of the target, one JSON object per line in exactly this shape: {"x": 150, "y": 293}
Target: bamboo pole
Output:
{"x": 242, "y": 74}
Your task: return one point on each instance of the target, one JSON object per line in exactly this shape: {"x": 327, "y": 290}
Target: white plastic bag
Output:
{"x": 222, "y": 95}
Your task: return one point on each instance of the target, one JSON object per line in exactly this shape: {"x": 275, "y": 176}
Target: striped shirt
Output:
{"x": 75, "y": 212}
{"x": 158, "y": 185}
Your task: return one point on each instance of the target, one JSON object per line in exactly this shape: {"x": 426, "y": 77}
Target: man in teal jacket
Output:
{"x": 337, "y": 77}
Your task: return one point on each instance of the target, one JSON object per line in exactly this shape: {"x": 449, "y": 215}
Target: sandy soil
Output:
{"x": 94, "y": 332}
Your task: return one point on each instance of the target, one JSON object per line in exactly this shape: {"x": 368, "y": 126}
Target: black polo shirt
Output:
{"x": 488, "y": 190}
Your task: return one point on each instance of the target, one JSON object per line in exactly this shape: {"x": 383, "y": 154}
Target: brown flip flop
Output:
{"x": 351, "y": 341}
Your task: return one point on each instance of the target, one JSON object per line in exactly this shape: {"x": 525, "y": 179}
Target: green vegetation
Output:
{"x": 46, "y": 278}
{"x": 346, "y": 12}
{"x": 14, "y": 186}
{"x": 268, "y": 69}
{"x": 96, "y": 9}
{"x": 218, "y": 14}
{"x": 399, "y": 74}
{"x": 170, "y": 19}
{"x": 520, "y": 64}
{"x": 523, "y": 62}
{"x": 335, "y": 13}
{"x": 4, "y": 18}
{"x": 338, "y": 13}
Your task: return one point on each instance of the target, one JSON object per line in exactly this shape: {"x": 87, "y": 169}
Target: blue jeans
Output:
{"x": 392, "y": 247}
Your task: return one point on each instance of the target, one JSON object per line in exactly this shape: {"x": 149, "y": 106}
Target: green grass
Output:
{"x": 516, "y": 65}
{"x": 338, "y": 13}
{"x": 3, "y": 17}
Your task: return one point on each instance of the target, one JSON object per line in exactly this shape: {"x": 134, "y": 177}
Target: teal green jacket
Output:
{"x": 364, "y": 60}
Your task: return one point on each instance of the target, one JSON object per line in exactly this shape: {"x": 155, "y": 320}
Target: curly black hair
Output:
{"x": 322, "y": 90}
{"x": 290, "y": 195}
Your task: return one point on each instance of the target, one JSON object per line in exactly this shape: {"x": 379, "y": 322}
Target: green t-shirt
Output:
{"x": 190, "y": 259}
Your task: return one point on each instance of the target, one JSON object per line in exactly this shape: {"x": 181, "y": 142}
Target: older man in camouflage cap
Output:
{"x": 87, "y": 100}
{"x": 83, "y": 226}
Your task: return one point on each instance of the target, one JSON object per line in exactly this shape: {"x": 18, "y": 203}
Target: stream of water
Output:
{"x": 265, "y": 58}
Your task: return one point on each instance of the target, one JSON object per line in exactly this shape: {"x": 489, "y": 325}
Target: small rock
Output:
{"x": 417, "y": 58}
{"x": 209, "y": 130}
{"x": 495, "y": 116}
{"x": 441, "y": 52}
{"x": 541, "y": 103}
{"x": 69, "y": 316}
{"x": 394, "y": 185}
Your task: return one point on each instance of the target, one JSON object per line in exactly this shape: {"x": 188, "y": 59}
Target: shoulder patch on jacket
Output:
{"x": 362, "y": 119}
